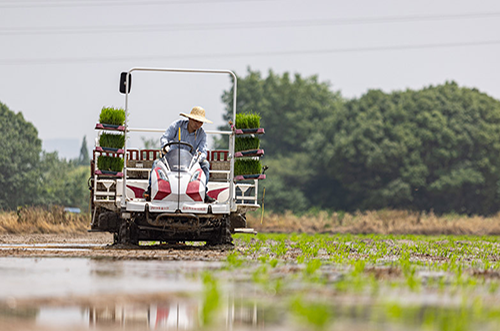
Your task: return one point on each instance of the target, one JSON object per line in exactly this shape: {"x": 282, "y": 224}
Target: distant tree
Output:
{"x": 292, "y": 108}
{"x": 433, "y": 149}
{"x": 84, "y": 159}
{"x": 150, "y": 143}
{"x": 62, "y": 182}
{"x": 437, "y": 148}
{"x": 19, "y": 157}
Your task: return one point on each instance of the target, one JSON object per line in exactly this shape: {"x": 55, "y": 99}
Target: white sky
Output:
{"x": 60, "y": 60}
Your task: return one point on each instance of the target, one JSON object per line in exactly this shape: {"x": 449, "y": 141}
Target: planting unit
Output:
{"x": 176, "y": 210}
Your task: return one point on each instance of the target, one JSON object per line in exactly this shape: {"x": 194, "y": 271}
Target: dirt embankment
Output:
{"x": 36, "y": 220}
{"x": 377, "y": 222}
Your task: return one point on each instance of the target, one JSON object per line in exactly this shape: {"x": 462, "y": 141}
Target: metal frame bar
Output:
{"x": 163, "y": 130}
{"x": 232, "y": 203}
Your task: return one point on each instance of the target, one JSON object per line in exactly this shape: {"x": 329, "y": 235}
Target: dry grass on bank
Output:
{"x": 379, "y": 222}
{"x": 42, "y": 220}
{"x": 55, "y": 220}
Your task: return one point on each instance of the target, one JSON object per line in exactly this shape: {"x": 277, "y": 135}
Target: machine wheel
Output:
{"x": 127, "y": 234}
{"x": 223, "y": 236}
{"x": 226, "y": 238}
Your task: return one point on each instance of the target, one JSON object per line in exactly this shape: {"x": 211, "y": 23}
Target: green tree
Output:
{"x": 292, "y": 108}
{"x": 63, "y": 182}
{"x": 20, "y": 153}
{"x": 437, "y": 148}
{"x": 84, "y": 159}
{"x": 150, "y": 143}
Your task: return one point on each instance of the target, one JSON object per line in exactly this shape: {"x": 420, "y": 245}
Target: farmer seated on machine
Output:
{"x": 191, "y": 132}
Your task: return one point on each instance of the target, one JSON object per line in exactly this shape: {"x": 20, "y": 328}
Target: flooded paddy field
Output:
{"x": 264, "y": 282}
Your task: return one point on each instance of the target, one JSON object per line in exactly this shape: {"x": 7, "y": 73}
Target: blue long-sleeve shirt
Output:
{"x": 197, "y": 139}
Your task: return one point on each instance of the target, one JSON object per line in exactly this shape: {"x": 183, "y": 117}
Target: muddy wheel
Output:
{"x": 226, "y": 238}
{"x": 223, "y": 234}
{"x": 127, "y": 234}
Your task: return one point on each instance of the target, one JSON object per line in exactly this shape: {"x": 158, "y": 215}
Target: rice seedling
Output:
{"x": 279, "y": 249}
{"x": 273, "y": 263}
{"x": 109, "y": 163}
{"x": 247, "y": 121}
{"x": 112, "y": 140}
{"x": 315, "y": 314}
{"x": 113, "y": 116}
{"x": 312, "y": 266}
{"x": 246, "y": 143}
{"x": 233, "y": 260}
{"x": 247, "y": 167}
{"x": 211, "y": 299}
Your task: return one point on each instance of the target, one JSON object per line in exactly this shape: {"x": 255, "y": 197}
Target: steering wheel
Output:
{"x": 180, "y": 143}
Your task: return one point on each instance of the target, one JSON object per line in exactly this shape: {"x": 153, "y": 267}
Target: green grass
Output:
{"x": 247, "y": 167}
{"x": 247, "y": 121}
{"x": 109, "y": 163}
{"x": 112, "y": 140}
{"x": 246, "y": 143}
{"x": 114, "y": 116}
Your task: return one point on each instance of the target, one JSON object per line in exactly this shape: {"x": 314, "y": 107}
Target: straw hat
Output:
{"x": 197, "y": 114}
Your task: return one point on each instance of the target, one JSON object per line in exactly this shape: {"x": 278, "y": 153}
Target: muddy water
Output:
{"x": 48, "y": 284}
{"x": 55, "y": 277}
{"x": 88, "y": 293}
{"x": 55, "y": 285}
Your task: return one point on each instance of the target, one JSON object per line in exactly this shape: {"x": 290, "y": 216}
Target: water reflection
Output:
{"x": 179, "y": 315}
{"x": 59, "y": 277}
{"x": 182, "y": 314}
{"x": 162, "y": 316}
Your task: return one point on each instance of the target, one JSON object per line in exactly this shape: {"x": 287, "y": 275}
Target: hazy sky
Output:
{"x": 60, "y": 60}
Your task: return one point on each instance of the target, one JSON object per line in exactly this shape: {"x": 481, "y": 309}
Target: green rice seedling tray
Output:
{"x": 113, "y": 116}
{"x": 248, "y": 177}
{"x": 110, "y": 127}
{"x": 253, "y": 152}
{"x": 109, "y": 150}
{"x": 109, "y": 173}
{"x": 112, "y": 140}
{"x": 246, "y": 143}
{"x": 249, "y": 131}
{"x": 247, "y": 121}
{"x": 109, "y": 163}
{"x": 247, "y": 167}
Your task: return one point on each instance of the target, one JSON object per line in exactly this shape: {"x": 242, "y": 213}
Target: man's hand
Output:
{"x": 198, "y": 156}
{"x": 165, "y": 149}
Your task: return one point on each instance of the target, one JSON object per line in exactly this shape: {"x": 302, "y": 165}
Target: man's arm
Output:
{"x": 169, "y": 134}
{"x": 202, "y": 146}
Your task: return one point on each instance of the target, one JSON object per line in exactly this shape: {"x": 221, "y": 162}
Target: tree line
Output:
{"x": 30, "y": 176}
{"x": 437, "y": 148}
